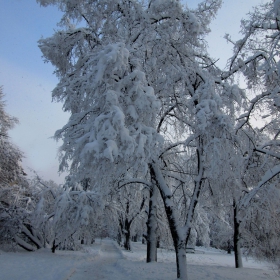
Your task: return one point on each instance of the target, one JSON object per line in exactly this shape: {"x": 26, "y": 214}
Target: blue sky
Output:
{"x": 27, "y": 81}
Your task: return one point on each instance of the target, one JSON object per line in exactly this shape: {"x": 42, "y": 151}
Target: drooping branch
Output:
{"x": 269, "y": 175}
{"x": 164, "y": 115}
{"x": 184, "y": 143}
{"x": 122, "y": 184}
{"x": 235, "y": 69}
{"x": 246, "y": 115}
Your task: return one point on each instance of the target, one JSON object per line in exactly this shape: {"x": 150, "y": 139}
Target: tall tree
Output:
{"x": 255, "y": 56}
{"x": 141, "y": 89}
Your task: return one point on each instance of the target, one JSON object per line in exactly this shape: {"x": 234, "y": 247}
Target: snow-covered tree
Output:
{"x": 75, "y": 217}
{"x": 112, "y": 115}
{"x": 19, "y": 225}
{"x": 129, "y": 203}
{"x": 141, "y": 89}
{"x": 11, "y": 171}
{"x": 14, "y": 187}
{"x": 261, "y": 230}
{"x": 256, "y": 58}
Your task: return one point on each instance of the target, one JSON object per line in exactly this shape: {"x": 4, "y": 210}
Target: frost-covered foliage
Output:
{"x": 101, "y": 69}
{"x": 18, "y": 227}
{"x": 76, "y": 215}
{"x": 221, "y": 231}
{"x": 262, "y": 228}
{"x": 113, "y": 110}
{"x": 128, "y": 205}
{"x": 41, "y": 214}
{"x": 11, "y": 171}
{"x": 66, "y": 218}
{"x": 256, "y": 56}
{"x": 256, "y": 59}
{"x": 14, "y": 190}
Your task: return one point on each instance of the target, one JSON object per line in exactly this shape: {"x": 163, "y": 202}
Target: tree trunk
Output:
{"x": 152, "y": 226}
{"x": 236, "y": 238}
{"x": 229, "y": 247}
{"x": 54, "y": 246}
{"x": 119, "y": 238}
{"x": 127, "y": 241}
{"x": 178, "y": 236}
{"x": 181, "y": 259}
{"x": 158, "y": 242}
{"x": 127, "y": 235}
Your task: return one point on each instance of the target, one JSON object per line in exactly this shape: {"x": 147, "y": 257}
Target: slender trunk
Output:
{"x": 54, "y": 246}
{"x": 152, "y": 226}
{"x": 127, "y": 235}
{"x": 181, "y": 260}
{"x": 158, "y": 242}
{"x": 127, "y": 241}
{"x": 229, "y": 247}
{"x": 236, "y": 238}
{"x": 120, "y": 233}
{"x": 119, "y": 238}
{"x": 179, "y": 238}
{"x": 196, "y": 193}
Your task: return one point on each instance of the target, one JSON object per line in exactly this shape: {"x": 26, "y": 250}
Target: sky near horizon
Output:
{"x": 27, "y": 81}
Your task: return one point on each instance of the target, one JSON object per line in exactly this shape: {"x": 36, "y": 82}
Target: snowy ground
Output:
{"x": 105, "y": 260}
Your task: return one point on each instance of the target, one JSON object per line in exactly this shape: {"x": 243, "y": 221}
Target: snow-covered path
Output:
{"x": 106, "y": 264}
{"x": 106, "y": 260}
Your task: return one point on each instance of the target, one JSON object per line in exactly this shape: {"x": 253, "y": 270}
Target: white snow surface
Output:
{"x": 106, "y": 260}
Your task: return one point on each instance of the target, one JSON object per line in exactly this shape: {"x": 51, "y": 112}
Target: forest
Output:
{"x": 162, "y": 146}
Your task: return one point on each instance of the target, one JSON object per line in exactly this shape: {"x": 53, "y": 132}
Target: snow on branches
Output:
{"x": 11, "y": 171}
{"x": 113, "y": 112}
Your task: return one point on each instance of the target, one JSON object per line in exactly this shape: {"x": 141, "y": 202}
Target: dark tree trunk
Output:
{"x": 54, "y": 246}
{"x": 127, "y": 235}
{"x": 181, "y": 259}
{"x": 158, "y": 242}
{"x": 236, "y": 238}
{"x": 152, "y": 225}
{"x": 229, "y": 247}
{"x": 119, "y": 238}
{"x": 179, "y": 239}
{"x": 127, "y": 241}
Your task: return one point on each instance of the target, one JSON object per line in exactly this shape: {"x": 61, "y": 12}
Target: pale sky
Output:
{"x": 27, "y": 81}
